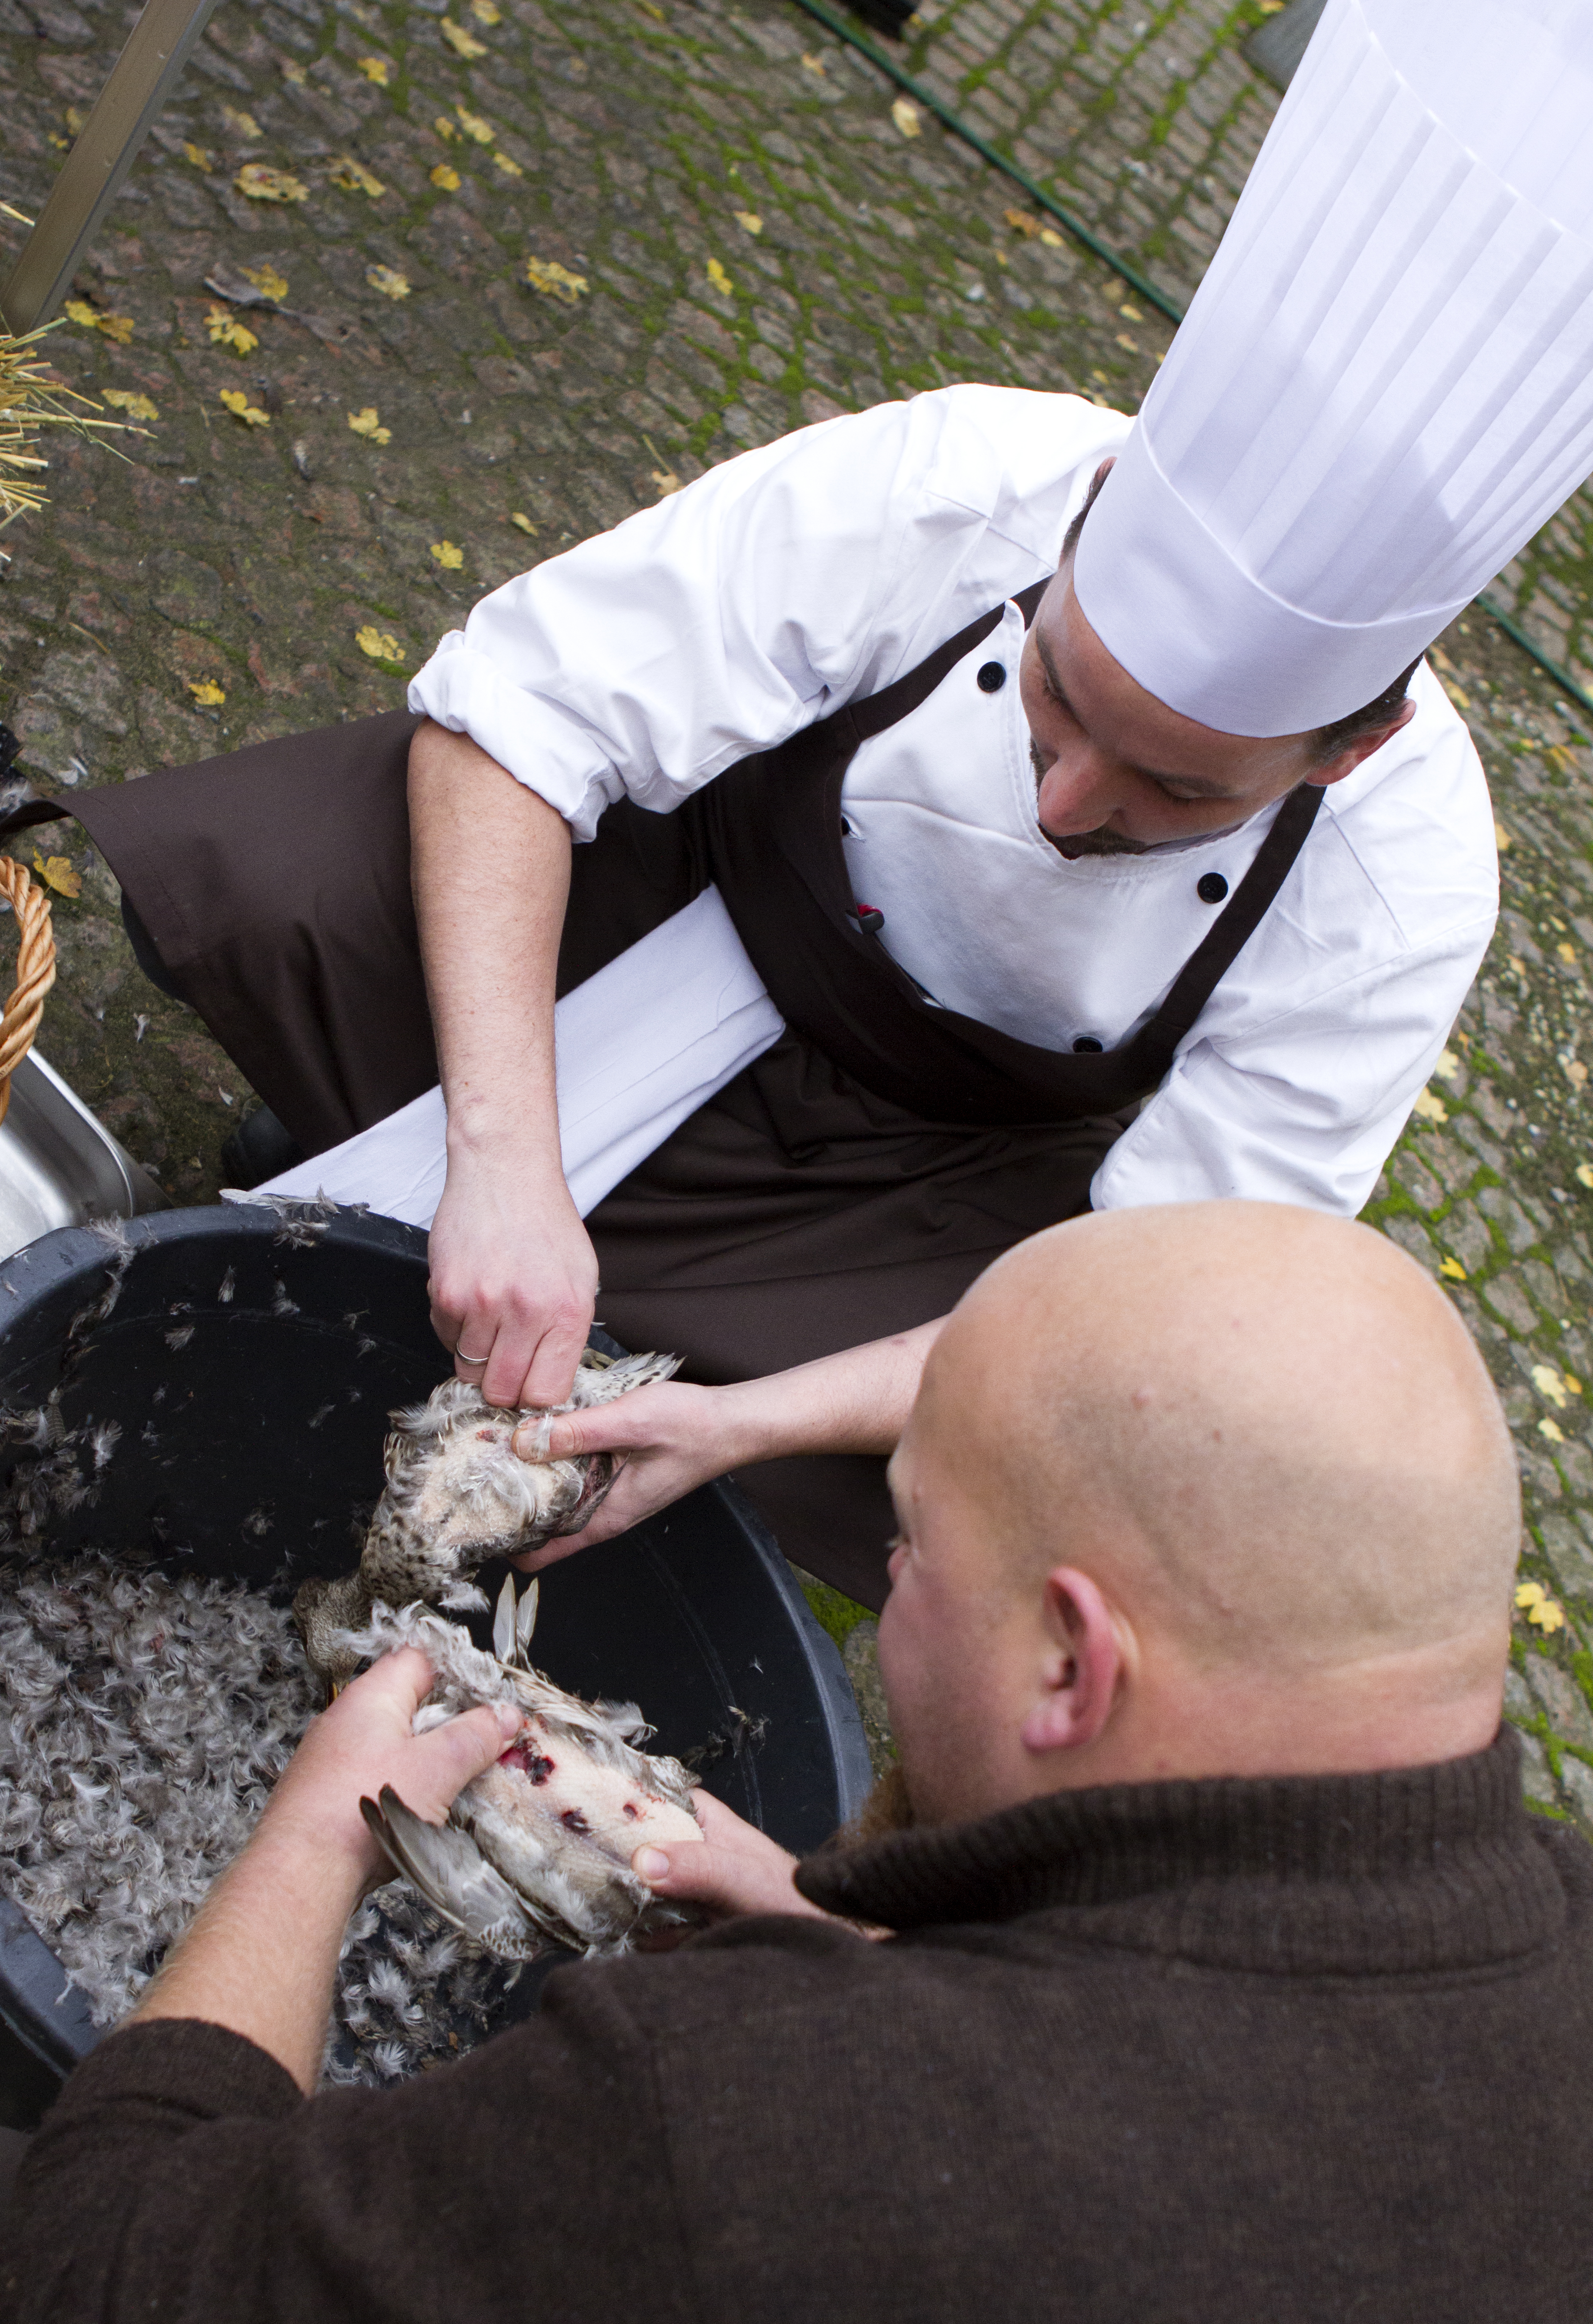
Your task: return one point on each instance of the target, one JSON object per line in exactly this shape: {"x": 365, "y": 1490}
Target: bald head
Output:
{"x": 1266, "y": 1439}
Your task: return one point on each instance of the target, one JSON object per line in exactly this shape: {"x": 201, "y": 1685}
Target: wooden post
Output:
{"x": 158, "y": 46}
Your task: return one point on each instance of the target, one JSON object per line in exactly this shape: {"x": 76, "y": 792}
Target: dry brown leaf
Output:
{"x": 355, "y": 179}
{"x": 241, "y": 408}
{"x": 128, "y": 399}
{"x": 227, "y": 331}
{"x": 555, "y": 282}
{"x": 57, "y": 872}
{"x": 258, "y": 182}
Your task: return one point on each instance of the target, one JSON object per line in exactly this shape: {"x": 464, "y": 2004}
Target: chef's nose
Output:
{"x": 1080, "y": 791}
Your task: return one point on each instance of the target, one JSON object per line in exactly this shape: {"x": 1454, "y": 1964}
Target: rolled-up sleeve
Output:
{"x": 650, "y": 658}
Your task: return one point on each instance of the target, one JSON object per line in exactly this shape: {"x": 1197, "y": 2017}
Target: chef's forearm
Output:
{"x": 262, "y": 1952}
{"x": 491, "y": 870}
{"x": 856, "y": 1401}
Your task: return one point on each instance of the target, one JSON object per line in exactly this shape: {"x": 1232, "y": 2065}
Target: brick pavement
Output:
{"x": 730, "y": 227}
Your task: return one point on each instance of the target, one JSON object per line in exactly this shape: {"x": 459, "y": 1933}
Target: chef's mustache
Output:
{"x": 1075, "y": 843}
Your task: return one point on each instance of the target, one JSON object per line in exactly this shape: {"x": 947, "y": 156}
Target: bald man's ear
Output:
{"x": 1082, "y": 1669}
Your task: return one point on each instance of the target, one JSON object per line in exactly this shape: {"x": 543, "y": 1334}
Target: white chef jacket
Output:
{"x": 813, "y": 572}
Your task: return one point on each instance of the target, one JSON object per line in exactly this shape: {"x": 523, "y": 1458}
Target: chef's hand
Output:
{"x": 363, "y": 1741}
{"x": 740, "y": 1869}
{"x": 514, "y": 1278}
{"x": 672, "y": 1438}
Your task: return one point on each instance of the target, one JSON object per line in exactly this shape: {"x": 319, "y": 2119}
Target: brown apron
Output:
{"x": 850, "y": 1183}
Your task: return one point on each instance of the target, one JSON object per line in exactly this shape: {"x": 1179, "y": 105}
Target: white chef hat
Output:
{"x": 1384, "y": 385}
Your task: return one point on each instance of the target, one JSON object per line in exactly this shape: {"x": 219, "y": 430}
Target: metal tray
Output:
{"x": 58, "y": 1166}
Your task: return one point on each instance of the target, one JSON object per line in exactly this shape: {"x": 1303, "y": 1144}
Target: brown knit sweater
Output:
{"x": 1307, "y": 2049}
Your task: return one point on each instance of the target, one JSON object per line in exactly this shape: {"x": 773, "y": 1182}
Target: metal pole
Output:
{"x": 91, "y": 176}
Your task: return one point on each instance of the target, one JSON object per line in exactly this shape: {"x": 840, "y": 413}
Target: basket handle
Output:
{"x": 35, "y": 970}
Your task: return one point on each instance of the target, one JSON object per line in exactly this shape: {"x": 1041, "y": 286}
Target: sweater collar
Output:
{"x": 1412, "y": 1867}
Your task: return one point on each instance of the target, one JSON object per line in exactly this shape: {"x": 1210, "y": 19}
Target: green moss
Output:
{"x": 839, "y": 1614}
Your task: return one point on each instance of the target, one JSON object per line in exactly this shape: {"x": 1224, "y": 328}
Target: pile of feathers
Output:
{"x": 143, "y": 1722}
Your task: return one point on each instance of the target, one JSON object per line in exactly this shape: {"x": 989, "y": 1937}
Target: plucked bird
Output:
{"x": 457, "y": 1494}
{"x": 537, "y": 1851}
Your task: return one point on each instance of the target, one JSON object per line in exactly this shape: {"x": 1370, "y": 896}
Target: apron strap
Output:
{"x": 861, "y": 720}
{"x": 1220, "y": 946}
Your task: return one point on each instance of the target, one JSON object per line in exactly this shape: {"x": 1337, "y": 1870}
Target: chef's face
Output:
{"x": 1117, "y": 771}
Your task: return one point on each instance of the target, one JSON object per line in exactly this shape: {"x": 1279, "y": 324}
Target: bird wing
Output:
{"x": 450, "y": 1872}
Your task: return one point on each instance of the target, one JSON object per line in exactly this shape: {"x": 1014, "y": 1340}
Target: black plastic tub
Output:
{"x": 251, "y": 1363}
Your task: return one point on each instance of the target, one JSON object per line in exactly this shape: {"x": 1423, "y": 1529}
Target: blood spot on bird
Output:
{"x": 632, "y": 1812}
{"x": 573, "y": 1820}
{"x": 530, "y": 1761}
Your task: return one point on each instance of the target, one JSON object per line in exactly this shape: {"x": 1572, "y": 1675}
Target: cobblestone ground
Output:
{"x": 514, "y": 274}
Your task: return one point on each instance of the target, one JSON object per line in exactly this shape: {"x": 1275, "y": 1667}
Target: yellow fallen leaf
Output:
{"x": 1447, "y": 1065}
{"x": 240, "y": 407}
{"x": 1518, "y": 964}
{"x": 1548, "y": 1617}
{"x": 227, "y": 331}
{"x": 1024, "y": 222}
{"x": 207, "y": 693}
{"x": 720, "y": 280}
{"x": 77, "y": 119}
{"x": 750, "y": 220}
{"x": 1551, "y": 1430}
{"x": 904, "y": 113}
{"x": 486, "y": 11}
{"x": 1584, "y": 1173}
{"x": 1566, "y": 951}
{"x": 1574, "y": 1383}
{"x": 259, "y": 183}
{"x": 380, "y": 644}
{"x": 447, "y": 177}
{"x": 1452, "y": 1268}
{"x": 1501, "y": 836}
{"x": 473, "y": 126}
{"x": 118, "y": 328}
{"x": 267, "y": 281}
{"x": 813, "y": 65}
{"x": 243, "y": 123}
{"x": 1561, "y": 759}
{"x": 128, "y": 399}
{"x": 58, "y": 873}
{"x": 1548, "y": 1383}
{"x": 1576, "y": 1072}
{"x": 1125, "y": 341}
{"x": 1530, "y": 1593}
{"x": 1457, "y": 693}
{"x": 445, "y": 129}
{"x": 1430, "y": 1107}
{"x": 667, "y": 482}
{"x": 292, "y": 70}
{"x": 448, "y": 555}
{"x": 1132, "y": 313}
{"x": 546, "y": 274}
{"x": 388, "y": 281}
{"x": 1048, "y": 235}
{"x": 366, "y": 423}
{"x": 200, "y": 156}
{"x": 355, "y": 179}
{"x": 376, "y": 69}
{"x": 523, "y": 523}
{"x": 463, "y": 43}
{"x": 510, "y": 169}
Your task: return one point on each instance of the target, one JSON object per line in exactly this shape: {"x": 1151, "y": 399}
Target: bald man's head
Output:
{"x": 1266, "y": 1440}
